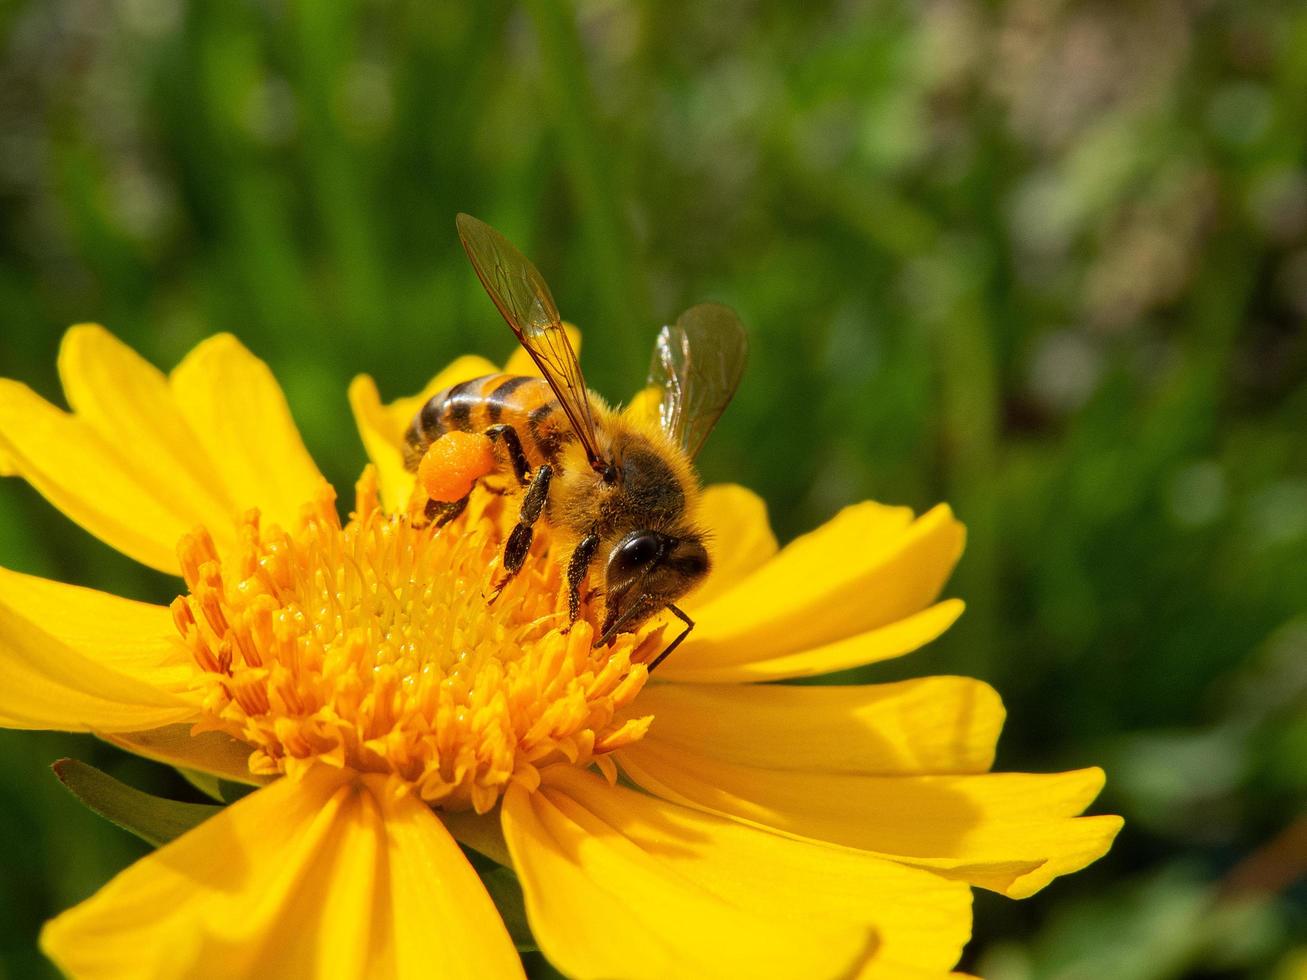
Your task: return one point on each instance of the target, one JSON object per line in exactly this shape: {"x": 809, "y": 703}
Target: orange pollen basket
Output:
{"x": 372, "y": 647}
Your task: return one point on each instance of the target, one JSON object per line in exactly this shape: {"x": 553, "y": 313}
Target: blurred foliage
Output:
{"x": 1044, "y": 259}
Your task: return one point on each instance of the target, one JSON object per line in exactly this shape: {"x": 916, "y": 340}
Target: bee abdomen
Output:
{"x": 476, "y": 405}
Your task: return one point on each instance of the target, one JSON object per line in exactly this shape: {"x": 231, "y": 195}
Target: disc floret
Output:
{"x": 373, "y": 646}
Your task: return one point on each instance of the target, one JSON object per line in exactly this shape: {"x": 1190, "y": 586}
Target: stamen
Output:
{"x": 372, "y": 646}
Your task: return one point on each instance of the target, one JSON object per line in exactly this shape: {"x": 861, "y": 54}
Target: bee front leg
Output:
{"x": 577, "y": 567}
{"x": 519, "y": 541}
{"x": 689, "y": 625}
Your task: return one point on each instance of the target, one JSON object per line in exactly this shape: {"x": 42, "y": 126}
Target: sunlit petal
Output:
{"x": 692, "y": 665}
{"x": 47, "y": 684}
{"x": 442, "y": 914}
{"x": 931, "y": 725}
{"x": 91, "y": 481}
{"x": 601, "y": 905}
{"x": 239, "y": 415}
{"x": 127, "y": 400}
{"x": 380, "y": 442}
{"x": 135, "y": 638}
{"x": 918, "y": 917}
{"x": 866, "y": 568}
{"x": 1009, "y": 832}
{"x": 317, "y": 878}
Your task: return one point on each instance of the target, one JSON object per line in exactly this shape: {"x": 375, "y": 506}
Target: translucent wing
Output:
{"x": 523, "y": 297}
{"x": 697, "y": 365}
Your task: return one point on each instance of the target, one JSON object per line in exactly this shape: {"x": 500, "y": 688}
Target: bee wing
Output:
{"x": 524, "y": 300}
{"x": 697, "y": 365}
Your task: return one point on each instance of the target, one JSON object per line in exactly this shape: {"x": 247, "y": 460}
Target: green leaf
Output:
{"x": 151, "y": 818}
{"x": 504, "y": 889}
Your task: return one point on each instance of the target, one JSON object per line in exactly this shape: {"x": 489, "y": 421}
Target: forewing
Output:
{"x": 697, "y": 365}
{"x": 523, "y": 297}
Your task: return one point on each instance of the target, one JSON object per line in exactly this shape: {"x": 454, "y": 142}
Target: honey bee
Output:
{"x": 608, "y": 484}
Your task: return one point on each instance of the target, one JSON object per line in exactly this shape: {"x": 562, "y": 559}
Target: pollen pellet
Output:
{"x": 453, "y": 463}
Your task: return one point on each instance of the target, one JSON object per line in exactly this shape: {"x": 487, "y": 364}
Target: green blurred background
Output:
{"x": 1044, "y": 260}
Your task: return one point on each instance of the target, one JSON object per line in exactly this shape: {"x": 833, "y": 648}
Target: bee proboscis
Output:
{"x": 609, "y": 485}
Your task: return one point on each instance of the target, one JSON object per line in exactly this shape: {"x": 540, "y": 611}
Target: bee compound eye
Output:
{"x": 639, "y": 551}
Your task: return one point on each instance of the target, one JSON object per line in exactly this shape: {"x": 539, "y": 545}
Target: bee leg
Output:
{"x": 439, "y": 511}
{"x": 689, "y": 625}
{"x": 577, "y": 567}
{"x": 447, "y": 511}
{"x": 519, "y": 541}
{"x": 513, "y": 444}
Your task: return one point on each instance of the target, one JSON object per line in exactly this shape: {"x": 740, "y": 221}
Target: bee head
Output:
{"x": 647, "y": 570}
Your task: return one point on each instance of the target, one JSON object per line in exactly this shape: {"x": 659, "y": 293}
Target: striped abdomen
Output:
{"x": 526, "y": 403}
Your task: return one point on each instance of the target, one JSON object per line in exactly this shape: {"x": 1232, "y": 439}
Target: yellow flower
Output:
{"x": 357, "y": 675}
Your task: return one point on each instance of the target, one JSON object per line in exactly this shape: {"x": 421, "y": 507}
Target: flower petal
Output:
{"x": 124, "y": 398}
{"x": 740, "y": 538}
{"x": 866, "y": 568}
{"x": 601, "y": 905}
{"x": 312, "y": 878}
{"x": 1008, "y": 832}
{"x": 382, "y": 427}
{"x": 930, "y": 725}
{"x": 47, "y": 684}
{"x": 919, "y": 918}
{"x": 240, "y": 417}
{"x": 374, "y": 425}
{"x": 441, "y": 911}
{"x": 875, "y": 645}
{"x": 135, "y": 638}
{"x": 79, "y": 472}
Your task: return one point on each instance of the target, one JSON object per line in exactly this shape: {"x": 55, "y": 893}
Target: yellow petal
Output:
{"x": 601, "y": 905}
{"x": 134, "y": 638}
{"x": 920, "y": 919}
{"x": 868, "y": 567}
{"x": 380, "y": 443}
{"x": 442, "y": 913}
{"x": 740, "y": 539}
{"x": 46, "y": 684}
{"x": 240, "y": 417}
{"x": 91, "y": 481}
{"x": 124, "y": 398}
{"x": 1008, "y": 832}
{"x": 382, "y": 427}
{"x": 692, "y": 665}
{"x": 215, "y": 753}
{"x": 314, "y": 878}
{"x": 930, "y": 725}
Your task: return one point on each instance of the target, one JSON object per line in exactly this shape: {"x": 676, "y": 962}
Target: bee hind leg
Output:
{"x": 519, "y": 540}
{"x": 439, "y": 512}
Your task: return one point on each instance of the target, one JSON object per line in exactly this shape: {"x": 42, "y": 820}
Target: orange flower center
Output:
{"x": 373, "y": 646}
